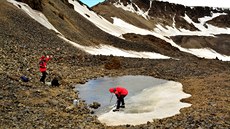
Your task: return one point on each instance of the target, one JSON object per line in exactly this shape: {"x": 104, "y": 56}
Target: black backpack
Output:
{"x": 55, "y": 82}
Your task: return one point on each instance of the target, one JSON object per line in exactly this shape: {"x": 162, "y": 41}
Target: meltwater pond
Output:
{"x": 149, "y": 98}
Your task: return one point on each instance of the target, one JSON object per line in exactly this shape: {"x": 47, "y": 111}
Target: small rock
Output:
{"x": 75, "y": 102}
{"x": 95, "y": 105}
{"x": 21, "y": 105}
{"x": 70, "y": 108}
{"x": 92, "y": 112}
{"x": 53, "y": 102}
{"x": 128, "y": 125}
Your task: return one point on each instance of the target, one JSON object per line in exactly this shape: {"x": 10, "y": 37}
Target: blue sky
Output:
{"x": 91, "y": 3}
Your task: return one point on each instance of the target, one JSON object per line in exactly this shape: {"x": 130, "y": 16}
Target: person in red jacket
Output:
{"x": 42, "y": 67}
{"x": 120, "y": 93}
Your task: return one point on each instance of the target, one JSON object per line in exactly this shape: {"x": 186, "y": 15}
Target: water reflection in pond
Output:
{"x": 148, "y": 98}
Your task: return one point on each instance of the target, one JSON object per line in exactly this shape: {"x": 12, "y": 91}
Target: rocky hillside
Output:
{"x": 220, "y": 43}
{"x": 78, "y": 29}
{"x": 149, "y": 14}
{"x": 161, "y": 12}
{"x": 35, "y": 105}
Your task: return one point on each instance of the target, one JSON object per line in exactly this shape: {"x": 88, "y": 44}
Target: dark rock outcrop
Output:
{"x": 95, "y": 105}
{"x": 34, "y": 4}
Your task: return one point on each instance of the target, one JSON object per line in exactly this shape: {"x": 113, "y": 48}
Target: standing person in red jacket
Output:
{"x": 43, "y": 65}
{"x": 120, "y": 93}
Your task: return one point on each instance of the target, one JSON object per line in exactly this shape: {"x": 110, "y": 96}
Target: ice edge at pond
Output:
{"x": 153, "y": 103}
{"x": 160, "y": 99}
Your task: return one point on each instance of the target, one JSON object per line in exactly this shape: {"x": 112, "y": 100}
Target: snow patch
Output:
{"x": 207, "y": 3}
{"x": 36, "y": 15}
{"x": 209, "y": 30}
{"x": 110, "y": 50}
{"x": 130, "y": 8}
{"x": 99, "y": 21}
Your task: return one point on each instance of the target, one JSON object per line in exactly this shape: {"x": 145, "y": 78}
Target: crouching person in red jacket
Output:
{"x": 42, "y": 67}
{"x": 120, "y": 93}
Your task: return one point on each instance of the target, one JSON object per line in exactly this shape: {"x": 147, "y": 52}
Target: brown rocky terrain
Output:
{"x": 219, "y": 43}
{"x": 35, "y": 105}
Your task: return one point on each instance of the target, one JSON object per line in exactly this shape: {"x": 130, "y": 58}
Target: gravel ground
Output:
{"x": 35, "y": 105}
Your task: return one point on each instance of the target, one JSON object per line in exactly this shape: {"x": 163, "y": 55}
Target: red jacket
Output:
{"x": 43, "y": 63}
{"x": 119, "y": 91}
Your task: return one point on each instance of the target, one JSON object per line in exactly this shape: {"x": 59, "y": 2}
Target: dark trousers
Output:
{"x": 43, "y": 76}
{"x": 120, "y": 100}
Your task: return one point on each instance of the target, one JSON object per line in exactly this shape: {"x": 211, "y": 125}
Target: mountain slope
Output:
{"x": 73, "y": 26}
{"x": 164, "y": 12}
{"x": 171, "y": 20}
{"x": 88, "y": 19}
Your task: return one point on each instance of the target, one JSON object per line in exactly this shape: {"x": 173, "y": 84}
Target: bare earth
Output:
{"x": 35, "y": 105}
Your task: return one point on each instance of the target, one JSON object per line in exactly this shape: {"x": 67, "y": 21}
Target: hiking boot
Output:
{"x": 122, "y": 106}
{"x": 115, "y": 110}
